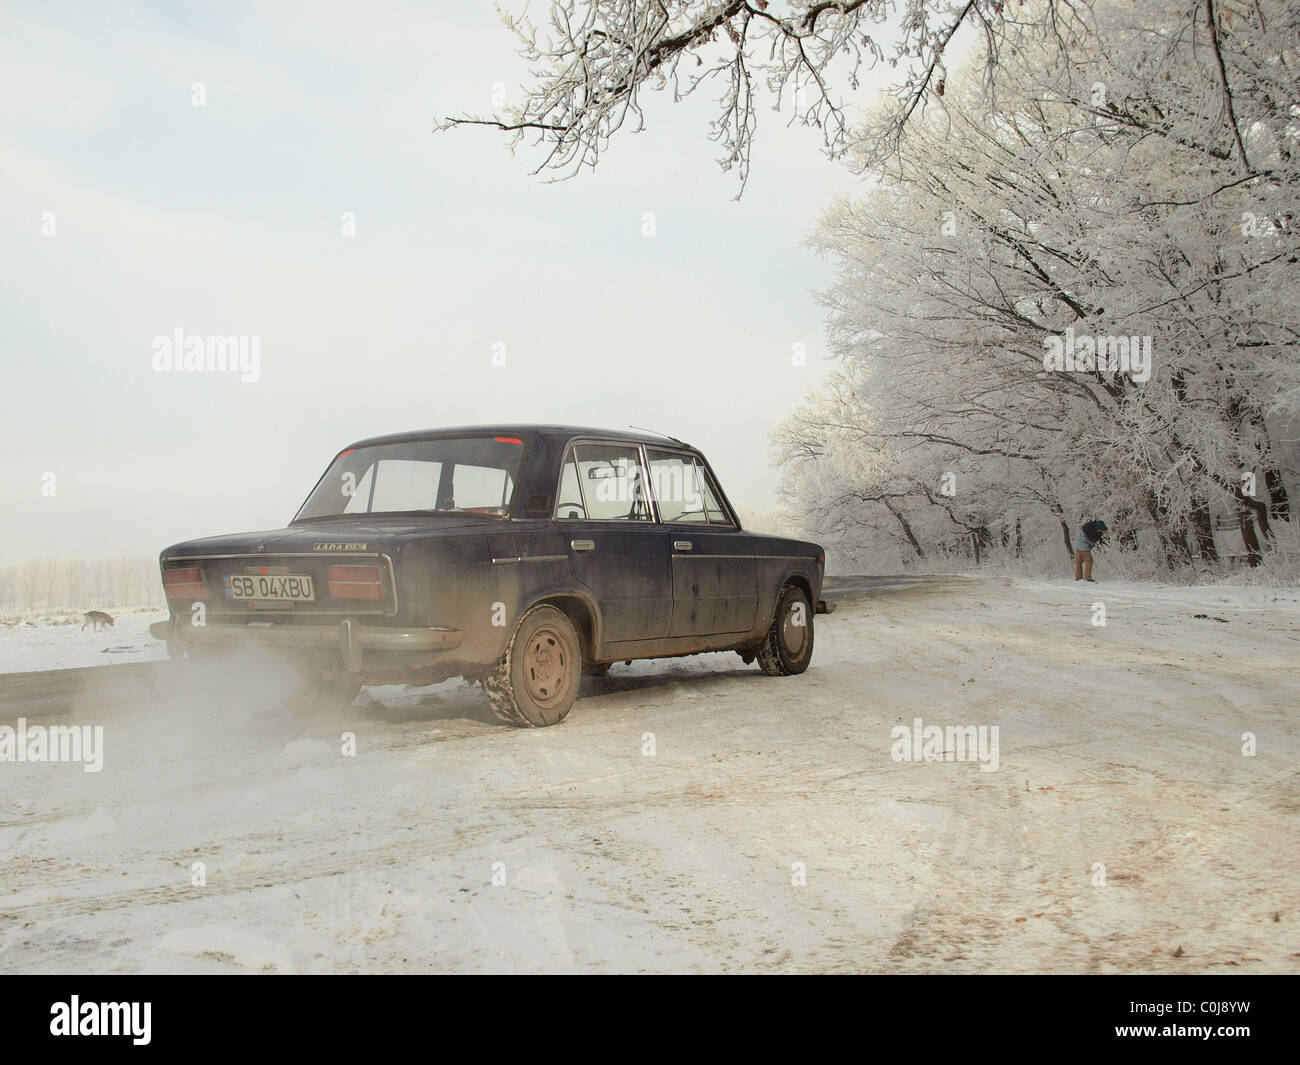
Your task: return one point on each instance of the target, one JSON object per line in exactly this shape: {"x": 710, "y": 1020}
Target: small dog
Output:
{"x": 97, "y": 618}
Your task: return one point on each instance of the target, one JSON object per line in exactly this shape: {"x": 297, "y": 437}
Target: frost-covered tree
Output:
{"x": 1138, "y": 184}
{"x": 592, "y": 61}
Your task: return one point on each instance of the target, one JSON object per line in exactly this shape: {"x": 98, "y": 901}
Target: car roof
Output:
{"x": 525, "y": 430}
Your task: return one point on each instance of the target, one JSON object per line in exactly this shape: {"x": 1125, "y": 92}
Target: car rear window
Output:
{"x": 474, "y": 475}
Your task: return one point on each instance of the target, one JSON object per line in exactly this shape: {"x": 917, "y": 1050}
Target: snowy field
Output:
{"x": 770, "y": 830}
{"x": 55, "y": 640}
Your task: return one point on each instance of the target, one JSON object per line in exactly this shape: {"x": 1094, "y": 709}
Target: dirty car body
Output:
{"x": 418, "y": 555}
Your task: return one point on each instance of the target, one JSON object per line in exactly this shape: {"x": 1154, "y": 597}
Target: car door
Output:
{"x": 615, "y": 547}
{"x": 714, "y": 576}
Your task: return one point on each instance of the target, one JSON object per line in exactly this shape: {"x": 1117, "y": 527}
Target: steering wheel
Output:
{"x": 578, "y": 505}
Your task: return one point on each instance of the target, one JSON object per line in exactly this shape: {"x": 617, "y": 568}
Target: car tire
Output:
{"x": 788, "y": 647}
{"x": 535, "y": 682}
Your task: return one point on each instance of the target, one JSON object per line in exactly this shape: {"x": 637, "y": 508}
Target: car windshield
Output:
{"x": 451, "y": 475}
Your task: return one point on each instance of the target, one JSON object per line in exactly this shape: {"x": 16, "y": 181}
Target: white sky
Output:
{"x": 226, "y": 219}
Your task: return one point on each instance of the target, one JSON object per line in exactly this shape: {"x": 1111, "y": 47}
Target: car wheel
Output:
{"x": 536, "y": 681}
{"x": 789, "y": 644}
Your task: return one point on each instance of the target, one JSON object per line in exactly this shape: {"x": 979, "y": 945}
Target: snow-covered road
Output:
{"x": 695, "y": 815}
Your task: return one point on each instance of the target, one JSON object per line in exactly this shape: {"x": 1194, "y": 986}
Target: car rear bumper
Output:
{"x": 349, "y": 637}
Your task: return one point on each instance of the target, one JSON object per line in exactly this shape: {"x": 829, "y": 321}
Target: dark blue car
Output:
{"x": 517, "y": 556}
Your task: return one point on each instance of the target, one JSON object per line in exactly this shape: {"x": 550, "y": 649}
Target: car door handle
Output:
{"x": 583, "y": 545}
{"x": 682, "y": 545}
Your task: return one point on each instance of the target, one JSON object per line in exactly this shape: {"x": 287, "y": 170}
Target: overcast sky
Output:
{"x": 227, "y": 219}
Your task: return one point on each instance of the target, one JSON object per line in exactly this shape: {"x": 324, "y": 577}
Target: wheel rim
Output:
{"x": 794, "y": 636}
{"x": 546, "y": 668}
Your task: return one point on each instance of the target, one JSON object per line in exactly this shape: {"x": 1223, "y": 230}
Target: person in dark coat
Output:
{"x": 1092, "y": 534}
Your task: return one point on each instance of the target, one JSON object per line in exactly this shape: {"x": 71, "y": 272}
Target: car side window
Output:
{"x": 609, "y": 484}
{"x": 677, "y": 487}
{"x": 717, "y": 516}
{"x": 569, "y": 502}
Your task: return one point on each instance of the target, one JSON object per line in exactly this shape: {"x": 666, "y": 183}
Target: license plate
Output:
{"x": 270, "y": 587}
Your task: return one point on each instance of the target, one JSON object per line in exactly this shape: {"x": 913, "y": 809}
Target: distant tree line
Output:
{"x": 73, "y": 583}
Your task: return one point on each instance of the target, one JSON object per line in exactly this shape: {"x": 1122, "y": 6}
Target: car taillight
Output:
{"x": 184, "y": 584}
{"x": 355, "y": 582}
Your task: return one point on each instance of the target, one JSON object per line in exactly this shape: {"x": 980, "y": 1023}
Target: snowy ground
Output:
{"x": 56, "y": 640}
{"x": 1119, "y": 745}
